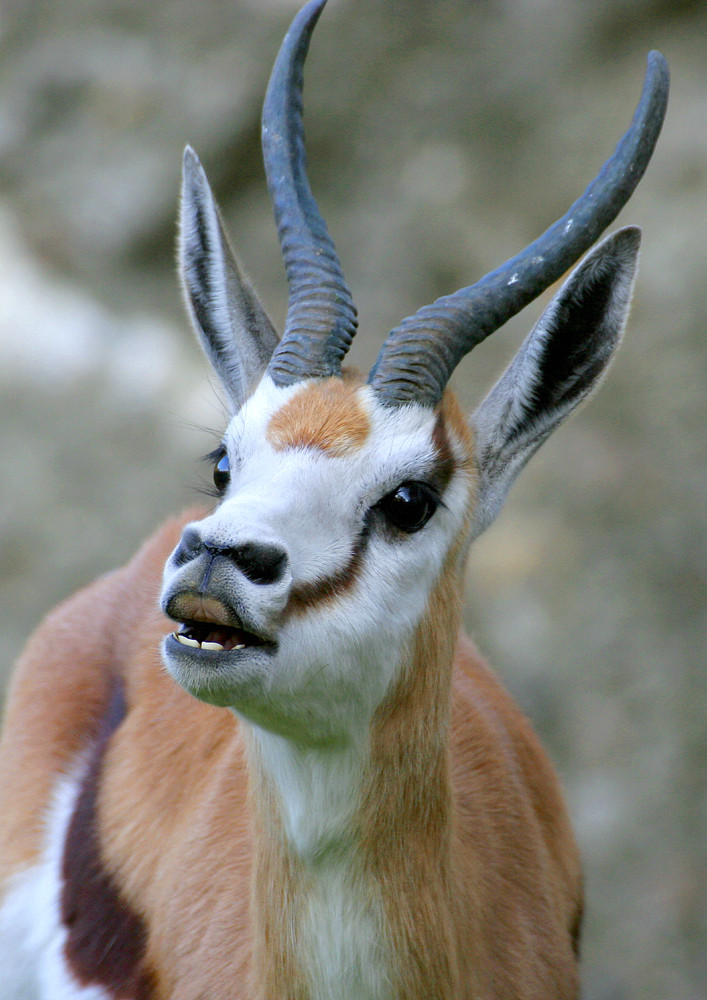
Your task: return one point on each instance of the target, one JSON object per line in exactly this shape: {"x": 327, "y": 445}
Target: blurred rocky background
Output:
{"x": 442, "y": 137}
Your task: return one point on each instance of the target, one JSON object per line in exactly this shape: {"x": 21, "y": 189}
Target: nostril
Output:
{"x": 190, "y": 545}
{"x": 261, "y": 563}
{"x": 258, "y": 561}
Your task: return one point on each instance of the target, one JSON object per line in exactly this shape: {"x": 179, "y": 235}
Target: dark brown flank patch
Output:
{"x": 106, "y": 940}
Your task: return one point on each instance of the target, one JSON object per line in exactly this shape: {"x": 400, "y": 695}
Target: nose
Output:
{"x": 260, "y": 562}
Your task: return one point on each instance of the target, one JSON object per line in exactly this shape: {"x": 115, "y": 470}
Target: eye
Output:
{"x": 222, "y": 472}
{"x": 408, "y": 507}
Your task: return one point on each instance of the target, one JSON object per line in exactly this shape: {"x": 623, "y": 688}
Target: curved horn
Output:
{"x": 321, "y": 317}
{"x": 420, "y": 354}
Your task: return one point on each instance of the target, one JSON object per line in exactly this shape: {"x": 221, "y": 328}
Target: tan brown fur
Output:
{"x": 58, "y": 692}
{"x": 462, "y": 831}
{"x": 280, "y": 886}
{"x": 328, "y": 415}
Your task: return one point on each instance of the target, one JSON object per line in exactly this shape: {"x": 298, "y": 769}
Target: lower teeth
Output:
{"x": 216, "y": 647}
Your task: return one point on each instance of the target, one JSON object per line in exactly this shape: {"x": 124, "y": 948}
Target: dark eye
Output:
{"x": 222, "y": 472}
{"x": 409, "y": 507}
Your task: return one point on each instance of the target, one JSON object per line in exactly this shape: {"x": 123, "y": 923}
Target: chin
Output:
{"x": 232, "y": 679}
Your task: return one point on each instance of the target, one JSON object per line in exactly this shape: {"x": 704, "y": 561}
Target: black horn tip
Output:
{"x": 287, "y": 70}
{"x": 656, "y": 87}
{"x": 321, "y": 317}
{"x": 450, "y": 327}
{"x": 657, "y": 63}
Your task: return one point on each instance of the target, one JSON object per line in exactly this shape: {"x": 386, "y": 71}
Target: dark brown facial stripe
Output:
{"x": 305, "y": 596}
{"x": 106, "y": 939}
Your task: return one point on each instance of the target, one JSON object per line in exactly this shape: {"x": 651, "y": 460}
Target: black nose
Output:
{"x": 260, "y": 562}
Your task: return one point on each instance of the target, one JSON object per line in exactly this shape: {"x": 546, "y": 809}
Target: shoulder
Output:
{"x": 62, "y": 682}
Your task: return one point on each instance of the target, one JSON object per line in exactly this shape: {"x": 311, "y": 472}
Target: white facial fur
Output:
{"x": 335, "y": 661}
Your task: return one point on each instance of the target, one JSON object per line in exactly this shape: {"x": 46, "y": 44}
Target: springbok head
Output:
{"x": 330, "y": 568}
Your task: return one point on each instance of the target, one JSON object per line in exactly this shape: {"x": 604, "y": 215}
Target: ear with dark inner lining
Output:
{"x": 559, "y": 364}
{"x": 232, "y": 325}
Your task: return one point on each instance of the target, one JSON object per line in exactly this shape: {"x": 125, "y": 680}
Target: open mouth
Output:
{"x": 206, "y": 623}
{"x": 216, "y": 637}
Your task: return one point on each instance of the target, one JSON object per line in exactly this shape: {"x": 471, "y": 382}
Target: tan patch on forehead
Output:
{"x": 327, "y": 415}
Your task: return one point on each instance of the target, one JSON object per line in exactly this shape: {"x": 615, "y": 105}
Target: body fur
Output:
{"x": 186, "y": 859}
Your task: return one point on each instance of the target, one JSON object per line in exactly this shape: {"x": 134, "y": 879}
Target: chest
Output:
{"x": 342, "y": 941}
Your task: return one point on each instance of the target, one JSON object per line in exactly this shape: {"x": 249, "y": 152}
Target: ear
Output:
{"x": 232, "y": 325}
{"x": 559, "y": 364}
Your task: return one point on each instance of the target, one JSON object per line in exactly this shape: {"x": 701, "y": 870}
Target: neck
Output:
{"x": 408, "y": 812}
{"x": 352, "y": 874}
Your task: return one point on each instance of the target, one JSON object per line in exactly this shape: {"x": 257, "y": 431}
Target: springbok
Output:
{"x": 373, "y": 818}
